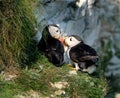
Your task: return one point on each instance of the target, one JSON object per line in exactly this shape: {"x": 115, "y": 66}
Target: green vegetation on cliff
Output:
{"x": 17, "y": 28}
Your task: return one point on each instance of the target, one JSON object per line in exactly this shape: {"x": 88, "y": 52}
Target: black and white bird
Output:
{"x": 50, "y": 46}
{"x": 81, "y": 55}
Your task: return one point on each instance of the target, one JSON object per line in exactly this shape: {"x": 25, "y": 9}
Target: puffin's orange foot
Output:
{"x": 69, "y": 65}
{"x": 74, "y": 68}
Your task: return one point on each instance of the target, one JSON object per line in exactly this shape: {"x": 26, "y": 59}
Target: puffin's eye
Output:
{"x": 57, "y": 30}
{"x": 70, "y": 39}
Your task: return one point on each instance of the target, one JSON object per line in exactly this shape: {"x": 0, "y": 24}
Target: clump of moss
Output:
{"x": 17, "y": 25}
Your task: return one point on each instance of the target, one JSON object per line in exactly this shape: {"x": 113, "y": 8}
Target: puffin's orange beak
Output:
{"x": 61, "y": 39}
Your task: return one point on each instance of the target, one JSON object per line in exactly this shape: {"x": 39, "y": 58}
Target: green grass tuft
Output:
{"x": 17, "y": 28}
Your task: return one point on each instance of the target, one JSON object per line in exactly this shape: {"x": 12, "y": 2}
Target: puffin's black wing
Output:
{"x": 83, "y": 53}
{"x": 55, "y": 45}
{"x": 51, "y": 44}
{"x": 52, "y": 49}
{"x": 56, "y": 51}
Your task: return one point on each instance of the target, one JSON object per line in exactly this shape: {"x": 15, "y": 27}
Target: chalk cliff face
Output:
{"x": 73, "y": 17}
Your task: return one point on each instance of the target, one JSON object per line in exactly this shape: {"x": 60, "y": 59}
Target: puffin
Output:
{"x": 51, "y": 46}
{"x": 81, "y": 55}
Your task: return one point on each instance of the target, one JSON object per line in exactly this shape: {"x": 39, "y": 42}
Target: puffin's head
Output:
{"x": 54, "y": 31}
{"x": 72, "y": 40}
